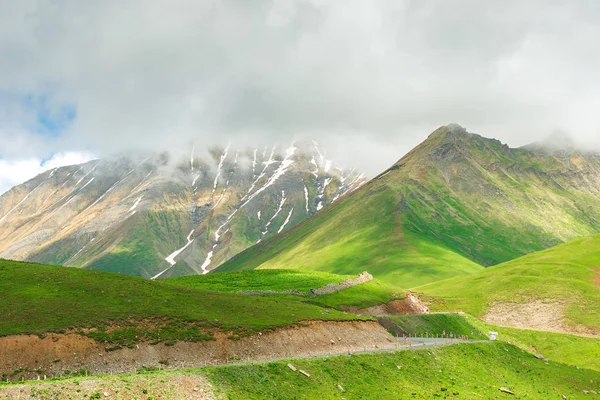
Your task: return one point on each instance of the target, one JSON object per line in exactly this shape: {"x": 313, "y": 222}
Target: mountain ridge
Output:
{"x": 150, "y": 213}
{"x": 473, "y": 199}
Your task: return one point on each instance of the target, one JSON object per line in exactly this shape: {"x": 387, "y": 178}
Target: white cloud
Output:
{"x": 14, "y": 172}
{"x": 156, "y": 73}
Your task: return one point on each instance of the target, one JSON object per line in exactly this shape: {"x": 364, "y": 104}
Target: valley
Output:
{"x": 218, "y": 289}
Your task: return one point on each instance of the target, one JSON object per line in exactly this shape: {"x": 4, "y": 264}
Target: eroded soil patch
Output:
{"x": 543, "y": 315}
{"x": 61, "y": 354}
{"x": 409, "y": 305}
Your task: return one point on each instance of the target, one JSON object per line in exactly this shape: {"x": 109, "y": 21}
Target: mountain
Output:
{"x": 158, "y": 215}
{"x": 557, "y": 289}
{"x": 456, "y": 201}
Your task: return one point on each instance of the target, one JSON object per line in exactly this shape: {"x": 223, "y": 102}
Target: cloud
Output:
{"x": 369, "y": 79}
{"x": 14, "y": 172}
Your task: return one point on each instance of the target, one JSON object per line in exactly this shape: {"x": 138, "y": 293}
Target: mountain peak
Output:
{"x": 450, "y": 130}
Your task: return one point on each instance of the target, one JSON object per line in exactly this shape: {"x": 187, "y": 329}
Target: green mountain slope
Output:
{"x": 39, "y": 298}
{"x": 455, "y": 201}
{"x": 565, "y": 279}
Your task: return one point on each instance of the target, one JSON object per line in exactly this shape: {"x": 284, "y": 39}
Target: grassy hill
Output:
{"x": 39, "y": 298}
{"x": 460, "y": 371}
{"x": 276, "y": 280}
{"x": 455, "y": 202}
{"x": 566, "y": 275}
{"x": 364, "y": 295}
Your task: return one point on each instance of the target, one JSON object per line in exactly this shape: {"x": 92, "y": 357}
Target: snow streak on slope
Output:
{"x": 137, "y": 186}
{"x": 136, "y": 203}
{"x": 89, "y": 172}
{"x": 286, "y": 220}
{"x": 171, "y": 257}
{"x": 192, "y": 159}
{"x": 281, "y": 203}
{"x": 103, "y": 195}
{"x": 207, "y": 262}
{"x": 321, "y": 195}
{"x": 19, "y": 203}
{"x": 235, "y": 160}
{"x": 282, "y": 169}
{"x": 219, "y": 167}
{"x": 306, "y": 198}
{"x": 316, "y": 171}
{"x": 263, "y": 172}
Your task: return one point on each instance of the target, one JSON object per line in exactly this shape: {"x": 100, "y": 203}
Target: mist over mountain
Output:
{"x": 159, "y": 214}
{"x": 456, "y": 201}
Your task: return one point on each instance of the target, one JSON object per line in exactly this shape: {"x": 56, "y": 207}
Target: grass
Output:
{"x": 568, "y": 349}
{"x": 454, "y": 203}
{"x": 39, "y": 298}
{"x": 277, "y": 280}
{"x": 364, "y": 295}
{"x": 458, "y": 371}
{"x": 360, "y": 233}
{"x": 563, "y": 273}
{"x": 437, "y": 325}
{"x": 367, "y": 294}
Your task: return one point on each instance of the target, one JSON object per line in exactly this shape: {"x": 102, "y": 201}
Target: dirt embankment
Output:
{"x": 56, "y": 354}
{"x": 543, "y": 315}
{"x": 409, "y": 305}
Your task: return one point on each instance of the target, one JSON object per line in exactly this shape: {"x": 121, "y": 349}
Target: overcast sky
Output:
{"x": 368, "y": 79}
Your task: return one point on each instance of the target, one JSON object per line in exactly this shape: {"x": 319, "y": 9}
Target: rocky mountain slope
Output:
{"x": 157, "y": 215}
{"x": 455, "y": 201}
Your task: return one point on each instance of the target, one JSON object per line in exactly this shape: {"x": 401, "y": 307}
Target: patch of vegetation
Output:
{"x": 564, "y": 274}
{"x": 362, "y": 232}
{"x": 457, "y": 371}
{"x": 40, "y": 298}
{"x": 277, "y": 280}
{"x": 167, "y": 331}
{"x": 360, "y": 296}
{"x": 366, "y": 294}
{"x": 568, "y": 349}
{"x": 437, "y": 325}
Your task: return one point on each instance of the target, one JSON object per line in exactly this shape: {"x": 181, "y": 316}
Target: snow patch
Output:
{"x": 286, "y": 220}
{"x": 220, "y": 167}
{"x": 281, "y": 203}
{"x": 282, "y": 169}
{"x": 136, "y": 203}
{"x": 20, "y": 202}
{"x": 306, "y": 198}
{"x": 192, "y": 160}
{"x": 171, "y": 257}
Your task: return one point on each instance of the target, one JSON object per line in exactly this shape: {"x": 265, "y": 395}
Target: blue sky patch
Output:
{"x": 50, "y": 119}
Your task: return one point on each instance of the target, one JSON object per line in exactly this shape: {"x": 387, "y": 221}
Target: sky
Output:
{"x": 367, "y": 79}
